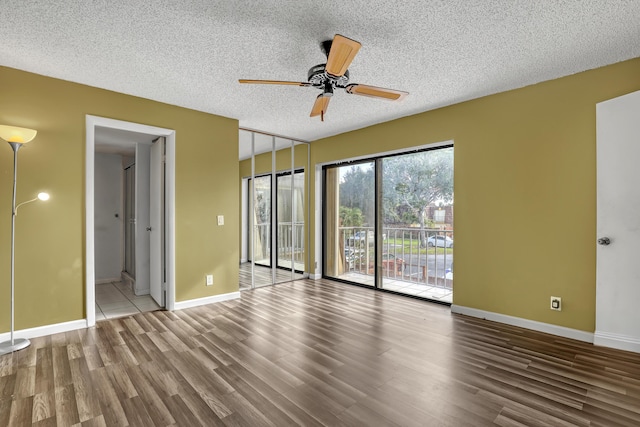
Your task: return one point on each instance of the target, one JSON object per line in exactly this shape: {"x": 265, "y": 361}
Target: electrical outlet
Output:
{"x": 556, "y": 303}
{"x": 220, "y": 219}
{"x": 209, "y": 279}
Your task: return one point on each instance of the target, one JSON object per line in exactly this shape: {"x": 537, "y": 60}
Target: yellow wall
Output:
{"x": 49, "y": 236}
{"x": 525, "y": 190}
{"x": 524, "y": 183}
{"x": 283, "y": 161}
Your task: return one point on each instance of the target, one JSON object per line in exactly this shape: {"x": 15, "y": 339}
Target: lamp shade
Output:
{"x": 16, "y": 134}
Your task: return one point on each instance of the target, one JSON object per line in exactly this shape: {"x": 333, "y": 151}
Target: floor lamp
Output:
{"x": 16, "y": 137}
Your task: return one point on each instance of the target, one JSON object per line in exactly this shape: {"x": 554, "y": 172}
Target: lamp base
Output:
{"x": 18, "y": 344}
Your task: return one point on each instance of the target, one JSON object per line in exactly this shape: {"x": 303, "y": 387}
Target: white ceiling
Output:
{"x": 191, "y": 53}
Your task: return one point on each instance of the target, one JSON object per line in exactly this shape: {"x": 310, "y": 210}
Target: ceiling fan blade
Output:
{"x": 320, "y": 106}
{"x": 376, "y": 92}
{"x": 274, "y": 82}
{"x": 342, "y": 52}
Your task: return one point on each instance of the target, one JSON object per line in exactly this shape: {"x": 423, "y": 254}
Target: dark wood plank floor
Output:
{"x": 316, "y": 353}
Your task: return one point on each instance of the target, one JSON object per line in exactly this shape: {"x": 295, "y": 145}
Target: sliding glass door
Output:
{"x": 261, "y": 219}
{"x": 350, "y": 222}
{"x": 389, "y": 223}
{"x": 290, "y": 214}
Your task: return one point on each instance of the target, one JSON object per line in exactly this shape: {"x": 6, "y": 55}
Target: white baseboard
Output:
{"x": 525, "y": 323}
{"x": 40, "y": 331}
{"x": 243, "y": 260}
{"x": 621, "y": 342}
{"x": 315, "y": 276}
{"x": 108, "y": 280}
{"x": 206, "y": 300}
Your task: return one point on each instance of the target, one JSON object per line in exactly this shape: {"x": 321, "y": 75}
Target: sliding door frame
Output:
{"x": 321, "y": 214}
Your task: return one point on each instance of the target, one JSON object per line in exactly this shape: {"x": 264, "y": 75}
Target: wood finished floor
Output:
{"x": 316, "y": 353}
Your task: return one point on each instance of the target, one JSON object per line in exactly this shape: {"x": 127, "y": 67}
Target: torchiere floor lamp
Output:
{"x": 16, "y": 137}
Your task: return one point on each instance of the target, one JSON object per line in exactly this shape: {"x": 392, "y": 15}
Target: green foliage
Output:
{"x": 414, "y": 181}
{"x": 357, "y": 191}
{"x": 411, "y": 182}
{"x": 351, "y": 217}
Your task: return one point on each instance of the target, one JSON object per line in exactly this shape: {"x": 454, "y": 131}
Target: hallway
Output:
{"x": 116, "y": 299}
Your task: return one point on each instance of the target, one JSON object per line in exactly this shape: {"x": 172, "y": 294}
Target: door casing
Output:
{"x": 91, "y": 123}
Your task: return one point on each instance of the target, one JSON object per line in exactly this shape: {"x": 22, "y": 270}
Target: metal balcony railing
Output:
{"x": 408, "y": 254}
{"x": 290, "y": 244}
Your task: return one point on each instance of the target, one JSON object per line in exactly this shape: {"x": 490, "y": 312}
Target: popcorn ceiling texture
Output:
{"x": 191, "y": 53}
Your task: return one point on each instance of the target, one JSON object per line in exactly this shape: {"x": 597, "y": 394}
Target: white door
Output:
{"x": 142, "y": 219}
{"x": 618, "y": 181}
{"x": 156, "y": 215}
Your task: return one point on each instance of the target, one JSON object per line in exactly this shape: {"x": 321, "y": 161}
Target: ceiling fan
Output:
{"x": 334, "y": 75}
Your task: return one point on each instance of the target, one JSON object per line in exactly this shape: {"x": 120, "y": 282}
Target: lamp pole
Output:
{"x": 16, "y": 137}
{"x": 20, "y": 343}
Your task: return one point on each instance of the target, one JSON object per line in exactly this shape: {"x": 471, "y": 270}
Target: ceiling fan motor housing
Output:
{"x": 318, "y": 77}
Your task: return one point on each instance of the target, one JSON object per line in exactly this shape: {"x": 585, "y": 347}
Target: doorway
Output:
{"x": 160, "y": 268}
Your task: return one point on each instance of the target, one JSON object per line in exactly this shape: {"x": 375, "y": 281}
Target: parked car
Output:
{"x": 359, "y": 238}
{"x": 440, "y": 242}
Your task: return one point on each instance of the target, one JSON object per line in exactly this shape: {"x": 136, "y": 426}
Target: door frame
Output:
{"x": 91, "y": 123}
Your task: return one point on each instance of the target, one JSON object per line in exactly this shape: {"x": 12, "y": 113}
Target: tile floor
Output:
{"x": 116, "y": 299}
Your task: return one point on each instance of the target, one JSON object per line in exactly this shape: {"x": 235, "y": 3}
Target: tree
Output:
{"x": 357, "y": 191}
{"x": 351, "y": 217}
{"x": 412, "y": 182}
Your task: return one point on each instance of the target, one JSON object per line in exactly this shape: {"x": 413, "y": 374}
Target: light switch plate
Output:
{"x": 220, "y": 219}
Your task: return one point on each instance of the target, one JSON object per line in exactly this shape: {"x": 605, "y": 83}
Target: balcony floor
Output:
{"x": 422, "y": 290}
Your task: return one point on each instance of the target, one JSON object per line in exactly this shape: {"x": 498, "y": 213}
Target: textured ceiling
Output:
{"x": 191, "y": 53}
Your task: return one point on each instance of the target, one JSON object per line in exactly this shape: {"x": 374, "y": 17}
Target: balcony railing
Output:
{"x": 408, "y": 254}
{"x": 288, "y": 245}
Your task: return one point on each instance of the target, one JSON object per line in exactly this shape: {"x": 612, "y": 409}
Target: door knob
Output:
{"x": 604, "y": 241}
{"x": 149, "y": 229}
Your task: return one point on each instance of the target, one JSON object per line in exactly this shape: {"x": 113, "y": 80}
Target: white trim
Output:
{"x": 89, "y": 262}
{"x": 621, "y": 342}
{"x": 316, "y": 269}
{"x": 547, "y": 328}
{"x": 315, "y": 276}
{"x": 108, "y": 280}
{"x": 244, "y": 216}
{"x": 41, "y": 331}
{"x": 180, "y": 305}
{"x": 170, "y": 162}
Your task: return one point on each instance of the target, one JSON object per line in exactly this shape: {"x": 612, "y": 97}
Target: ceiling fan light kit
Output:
{"x": 335, "y": 75}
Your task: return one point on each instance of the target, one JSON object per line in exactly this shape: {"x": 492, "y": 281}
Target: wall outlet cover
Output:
{"x": 556, "y": 303}
{"x": 209, "y": 279}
